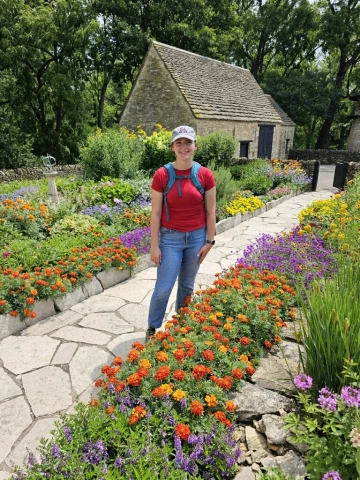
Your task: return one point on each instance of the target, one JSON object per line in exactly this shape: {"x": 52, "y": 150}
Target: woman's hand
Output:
{"x": 155, "y": 255}
{"x": 203, "y": 252}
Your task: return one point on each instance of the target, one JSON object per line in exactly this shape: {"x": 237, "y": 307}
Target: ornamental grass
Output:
{"x": 165, "y": 411}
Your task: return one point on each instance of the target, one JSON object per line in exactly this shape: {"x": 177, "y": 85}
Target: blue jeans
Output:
{"x": 178, "y": 259}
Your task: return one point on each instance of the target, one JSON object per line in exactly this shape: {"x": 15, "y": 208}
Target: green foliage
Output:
{"x": 225, "y": 185}
{"x": 112, "y": 189}
{"x": 326, "y": 432}
{"x": 274, "y": 473}
{"x": 111, "y": 153}
{"x": 74, "y": 225}
{"x": 332, "y": 328}
{"x": 217, "y": 148}
{"x": 157, "y": 151}
{"x": 259, "y": 185}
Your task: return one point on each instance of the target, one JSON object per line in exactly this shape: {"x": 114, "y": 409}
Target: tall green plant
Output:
{"x": 217, "y": 147}
{"x": 331, "y": 334}
{"x": 111, "y": 153}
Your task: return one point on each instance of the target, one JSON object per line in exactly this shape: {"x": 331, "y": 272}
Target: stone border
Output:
{"x": 108, "y": 278}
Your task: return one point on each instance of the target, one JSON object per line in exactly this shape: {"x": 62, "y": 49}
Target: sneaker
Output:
{"x": 149, "y": 333}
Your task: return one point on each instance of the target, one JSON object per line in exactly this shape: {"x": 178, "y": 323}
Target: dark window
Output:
{"x": 244, "y": 148}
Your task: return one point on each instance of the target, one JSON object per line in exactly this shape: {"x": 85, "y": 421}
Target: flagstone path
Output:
{"x": 45, "y": 368}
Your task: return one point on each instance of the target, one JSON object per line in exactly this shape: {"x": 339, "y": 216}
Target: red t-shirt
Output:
{"x": 187, "y": 213}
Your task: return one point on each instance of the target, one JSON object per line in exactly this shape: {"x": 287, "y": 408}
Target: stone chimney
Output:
{"x": 354, "y": 136}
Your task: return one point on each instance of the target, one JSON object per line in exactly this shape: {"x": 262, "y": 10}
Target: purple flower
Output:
{"x": 351, "y": 396}
{"x": 139, "y": 238}
{"x": 333, "y": 475}
{"x": 67, "y": 433}
{"x": 303, "y": 382}
{"x": 118, "y": 462}
{"x": 6, "y": 254}
{"x": 327, "y": 400}
{"x": 55, "y": 451}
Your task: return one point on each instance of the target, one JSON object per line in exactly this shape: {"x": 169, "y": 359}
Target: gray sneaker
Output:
{"x": 149, "y": 333}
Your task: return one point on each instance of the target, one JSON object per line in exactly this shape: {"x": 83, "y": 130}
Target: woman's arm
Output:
{"x": 210, "y": 202}
{"x": 156, "y": 210}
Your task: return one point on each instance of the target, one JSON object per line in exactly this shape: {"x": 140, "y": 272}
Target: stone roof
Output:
{"x": 284, "y": 116}
{"x": 217, "y": 90}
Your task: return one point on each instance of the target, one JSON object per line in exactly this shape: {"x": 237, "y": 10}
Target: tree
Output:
{"x": 44, "y": 45}
{"x": 340, "y": 33}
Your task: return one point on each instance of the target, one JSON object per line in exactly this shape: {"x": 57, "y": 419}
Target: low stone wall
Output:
{"x": 325, "y": 157}
{"x": 35, "y": 173}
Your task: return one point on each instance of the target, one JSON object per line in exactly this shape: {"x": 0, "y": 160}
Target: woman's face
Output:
{"x": 184, "y": 148}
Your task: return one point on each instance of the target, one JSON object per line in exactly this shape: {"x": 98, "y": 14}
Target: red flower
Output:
{"x": 196, "y": 408}
{"x": 208, "y": 355}
{"x": 237, "y": 373}
{"x": 120, "y": 386}
{"x": 182, "y": 431}
{"x": 162, "y": 373}
{"x": 179, "y": 375}
{"x": 179, "y": 354}
{"x": 117, "y": 361}
{"x": 199, "y": 371}
{"x": 134, "y": 380}
{"x": 245, "y": 340}
{"x": 221, "y": 417}
{"x": 98, "y": 383}
{"x": 267, "y": 344}
{"x": 250, "y": 370}
{"x": 133, "y": 355}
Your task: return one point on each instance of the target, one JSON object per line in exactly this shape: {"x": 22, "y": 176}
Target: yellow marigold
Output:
{"x": 208, "y": 343}
{"x": 162, "y": 356}
{"x": 301, "y": 232}
{"x": 219, "y": 314}
{"x": 227, "y": 326}
{"x": 223, "y": 349}
{"x": 211, "y": 400}
{"x": 307, "y": 228}
{"x": 243, "y": 357}
{"x": 144, "y": 363}
{"x": 166, "y": 388}
{"x": 178, "y": 395}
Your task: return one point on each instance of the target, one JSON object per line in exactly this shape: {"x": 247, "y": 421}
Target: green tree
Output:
{"x": 43, "y": 47}
{"x": 340, "y": 33}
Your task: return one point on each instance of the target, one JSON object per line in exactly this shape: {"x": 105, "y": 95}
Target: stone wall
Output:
{"x": 155, "y": 98}
{"x": 325, "y": 157}
{"x": 36, "y": 173}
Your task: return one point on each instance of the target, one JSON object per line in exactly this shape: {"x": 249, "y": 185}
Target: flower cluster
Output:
{"x": 242, "y": 205}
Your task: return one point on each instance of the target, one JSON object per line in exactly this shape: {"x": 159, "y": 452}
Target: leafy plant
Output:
{"x": 111, "y": 153}
{"x": 157, "y": 151}
{"x": 258, "y": 184}
{"x": 74, "y": 225}
{"x": 112, "y": 190}
{"x": 225, "y": 185}
{"x": 328, "y": 427}
{"x": 217, "y": 148}
{"x": 274, "y": 473}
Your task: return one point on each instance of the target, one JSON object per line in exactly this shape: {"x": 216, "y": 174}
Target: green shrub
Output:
{"x": 274, "y": 473}
{"x": 75, "y": 224}
{"x": 258, "y": 184}
{"x": 157, "y": 151}
{"x": 217, "y": 148}
{"x": 225, "y": 185}
{"x": 111, "y": 153}
{"x": 112, "y": 188}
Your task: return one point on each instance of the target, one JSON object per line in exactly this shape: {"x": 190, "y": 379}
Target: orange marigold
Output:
{"x": 182, "y": 431}
{"x": 221, "y": 417}
{"x": 133, "y": 355}
{"x": 162, "y": 356}
{"x": 99, "y": 383}
{"x": 162, "y": 373}
{"x": 245, "y": 340}
{"x": 179, "y": 375}
{"x": 94, "y": 403}
{"x": 120, "y": 386}
{"x": 250, "y": 370}
{"x": 230, "y": 406}
{"x": 199, "y": 371}
{"x": 138, "y": 346}
{"x": 179, "y": 354}
{"x": 237, "y": 373}
{"x": 110, "y": 410}
{"x": 208, "y": 355}
{"x": 117, "y": 361}
{"x": 267, "y": 344}
{"x": 196, "y": 408}
{"x": 144, "y": 363}
{"x": 134, "y": 380}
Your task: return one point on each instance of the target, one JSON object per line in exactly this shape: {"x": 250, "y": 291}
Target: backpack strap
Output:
{"x": 171, "y": 180}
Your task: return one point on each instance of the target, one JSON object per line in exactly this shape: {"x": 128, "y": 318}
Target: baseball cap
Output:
{"x": 183, "y": 132}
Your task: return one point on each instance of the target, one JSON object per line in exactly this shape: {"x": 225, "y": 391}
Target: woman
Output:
{"x": 182, "y": 234}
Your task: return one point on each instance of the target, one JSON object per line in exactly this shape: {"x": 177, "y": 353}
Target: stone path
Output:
{"x": 45, "y": 368}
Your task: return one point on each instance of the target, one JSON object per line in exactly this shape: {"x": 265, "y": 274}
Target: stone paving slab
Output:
{"x": 47, "y": 366}
{"x": 98, "y": 303}
{"x": 82, "y": 335}
{"x": 55, "y": 322}
{"x": 107, "y": 322}
{"x": 8, "y": 387}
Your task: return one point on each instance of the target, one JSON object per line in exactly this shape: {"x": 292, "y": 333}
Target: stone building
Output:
{"x": 354, "y": 136}
{"x": 176, "y": 87}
